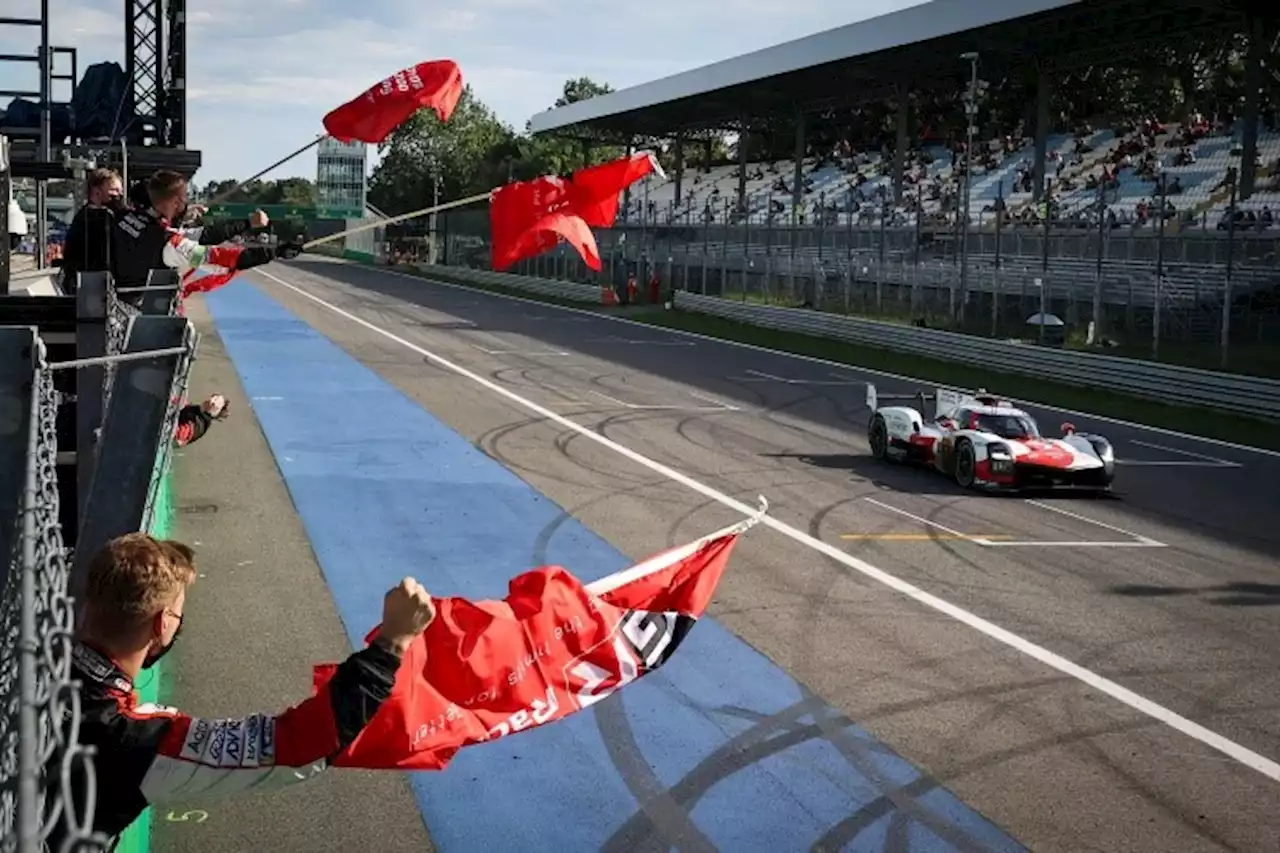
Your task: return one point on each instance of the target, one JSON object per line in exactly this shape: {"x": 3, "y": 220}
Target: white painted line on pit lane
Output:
{"x": 1138, "y": 538}
{"x": 926, "y": 522}
{"x": 650, "y": 342}
{"x": 826, "y": 361}
{"x": 769, "y": 377}
{"x": 718, "y": 403}
{"x": 1221, "y": 463}
{"x": 1253, "y": 760}
{"x": 640, "y": 407}
{"x": 988, "y": 542}
{"x": 521, "y": 352}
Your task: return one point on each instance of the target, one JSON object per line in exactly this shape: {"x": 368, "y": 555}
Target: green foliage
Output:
{"x": 294, "y": 192}
{"x": 474, "y": 152}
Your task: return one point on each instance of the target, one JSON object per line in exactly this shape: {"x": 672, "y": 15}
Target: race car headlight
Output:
{"x": 1000, "y": 457}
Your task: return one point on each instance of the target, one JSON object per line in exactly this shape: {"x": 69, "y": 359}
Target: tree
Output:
{"x": 294, "y": 192}
{"x": 458, "y": 155}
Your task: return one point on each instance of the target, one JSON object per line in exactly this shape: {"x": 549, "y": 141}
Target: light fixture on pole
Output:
{"x": 971, "y": 116}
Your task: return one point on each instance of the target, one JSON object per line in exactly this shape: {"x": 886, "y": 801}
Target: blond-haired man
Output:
{"x": 135, "y": 597}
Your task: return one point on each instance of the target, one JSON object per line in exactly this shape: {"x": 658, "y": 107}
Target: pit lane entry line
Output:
{"x": 1198, "y": 458}
{"x": 1136, "y": 540}
{"x": 1245, "y": 756}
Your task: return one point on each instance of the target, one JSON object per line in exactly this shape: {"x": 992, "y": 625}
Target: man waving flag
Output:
{"x": 553, "y": 646}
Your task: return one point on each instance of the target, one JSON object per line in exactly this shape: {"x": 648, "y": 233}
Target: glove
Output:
{"x": 253, "y": 256}
{"x": 292, "y": 249}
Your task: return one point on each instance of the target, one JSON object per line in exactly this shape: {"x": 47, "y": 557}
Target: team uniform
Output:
{"x": 144, "y": 240}
{"x": 147, "y": 754}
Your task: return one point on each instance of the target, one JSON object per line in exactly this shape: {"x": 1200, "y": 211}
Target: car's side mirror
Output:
{"x": 1068, "y": 428}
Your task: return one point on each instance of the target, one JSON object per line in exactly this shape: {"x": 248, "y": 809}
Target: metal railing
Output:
{"x": 1206, "y": 298}
{"x": 1152, "y": 380}
{"x": 48, "y": 786}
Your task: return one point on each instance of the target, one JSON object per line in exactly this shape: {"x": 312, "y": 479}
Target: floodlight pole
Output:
{"x": 971, "y": 114}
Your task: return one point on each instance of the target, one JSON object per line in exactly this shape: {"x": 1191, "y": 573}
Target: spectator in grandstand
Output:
{"x": 88, "y": 244}
{"x": 135, "y": 599}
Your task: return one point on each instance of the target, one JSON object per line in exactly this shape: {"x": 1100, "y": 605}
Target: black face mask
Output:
{"x": 116, "y": 204}
{"x": 154, "y": 658}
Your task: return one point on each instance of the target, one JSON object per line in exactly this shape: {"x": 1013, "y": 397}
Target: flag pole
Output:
{"x": 277, "y": 164}
{"x": 435, "y": 208}
{"x": 667, "y": 558}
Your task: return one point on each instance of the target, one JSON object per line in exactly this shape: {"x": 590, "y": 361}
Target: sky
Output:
{"x": 262, "y": 73}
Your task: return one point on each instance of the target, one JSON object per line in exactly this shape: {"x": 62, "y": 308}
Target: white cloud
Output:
{"x": 262, "y": 73}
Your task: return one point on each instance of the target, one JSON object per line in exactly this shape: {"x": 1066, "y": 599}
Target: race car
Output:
{"x": 986, "y": 443}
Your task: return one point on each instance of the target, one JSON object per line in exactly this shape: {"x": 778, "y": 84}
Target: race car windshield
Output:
{"x": 1008, "y": 426}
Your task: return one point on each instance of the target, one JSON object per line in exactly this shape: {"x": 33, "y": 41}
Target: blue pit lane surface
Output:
{"x": 720, "y": 750}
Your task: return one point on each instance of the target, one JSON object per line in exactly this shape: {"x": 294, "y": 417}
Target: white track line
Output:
{"x": 957, "y": 534}
{"x": 1255, "y": 761}
{"x": 521, "y": 352}
{"x": 1136, "y": 542}
{"x": 641, "y": 407}
{"x": 769, "y": 377}
{"x": 815, "y": 360}
{"x": 1225, "y": 463}
{"x": 1137, "y": 537}
{"x": 719, "y": 403}
{"x": 651, "y": 342}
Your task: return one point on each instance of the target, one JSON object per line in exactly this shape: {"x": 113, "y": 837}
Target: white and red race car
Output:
{"x": 985, "y": 443}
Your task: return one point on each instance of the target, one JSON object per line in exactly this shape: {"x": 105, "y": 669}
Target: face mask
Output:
{"x": 154, "y": 658}
{"x": 116, "y": 203}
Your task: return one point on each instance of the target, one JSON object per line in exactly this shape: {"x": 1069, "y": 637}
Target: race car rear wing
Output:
{"x": 942, "y": 398}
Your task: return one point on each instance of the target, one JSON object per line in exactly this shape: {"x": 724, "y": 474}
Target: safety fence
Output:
{"x": 1209, "y": 299}
{"x": 1186, "y": 386}
{"x": 91, "y": 386}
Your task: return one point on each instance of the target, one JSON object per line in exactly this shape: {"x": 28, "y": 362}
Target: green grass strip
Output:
{"x": 137, "y": 838}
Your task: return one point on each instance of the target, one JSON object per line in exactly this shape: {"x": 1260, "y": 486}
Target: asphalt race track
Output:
{"x": 1087, "y": 673}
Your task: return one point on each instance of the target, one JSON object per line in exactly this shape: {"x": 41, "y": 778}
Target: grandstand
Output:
{"x": 874, "y": 187}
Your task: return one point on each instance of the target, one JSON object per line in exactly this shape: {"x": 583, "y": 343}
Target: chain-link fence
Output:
{"x": 1160, "y": 288}
{"x": 48, "y": 784}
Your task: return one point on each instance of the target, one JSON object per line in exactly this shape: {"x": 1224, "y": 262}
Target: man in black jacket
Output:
{"x": 88, "y": 244}
{"x": 133, "y": 610}
{"x": 147, "y": 238}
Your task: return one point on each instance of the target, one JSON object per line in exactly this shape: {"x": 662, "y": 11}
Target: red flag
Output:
{"x": 553, "y": 646}
{"x": 528, "y": 217}
{"x": 205, "y": 278}
{"x": 384, "y": 107}
{"x": 598, "y": 189}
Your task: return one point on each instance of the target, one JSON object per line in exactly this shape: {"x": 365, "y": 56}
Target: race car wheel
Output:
{"x": 878, "y": 438}
{"x": 966, "y": 464}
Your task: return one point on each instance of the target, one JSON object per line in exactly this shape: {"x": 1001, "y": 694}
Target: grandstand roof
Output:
{"x": 861, "y": 62}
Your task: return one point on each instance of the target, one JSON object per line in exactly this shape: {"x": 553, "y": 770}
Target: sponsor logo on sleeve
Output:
{"x": 252, "y": 740}
{"x": 232, "y": 743}
{"x": 217, "y": 739}
{"x": 267, "y": 752}
{"x": 197, "y": 737}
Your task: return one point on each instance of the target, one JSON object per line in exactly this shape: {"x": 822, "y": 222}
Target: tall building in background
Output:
{"x": 341, "y": 183}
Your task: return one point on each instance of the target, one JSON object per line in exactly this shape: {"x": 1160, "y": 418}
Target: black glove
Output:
{"x": 253, "y": 256}
{"x": 292, "y": 249}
